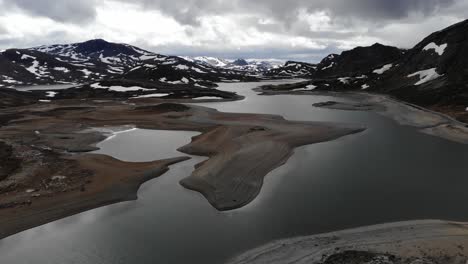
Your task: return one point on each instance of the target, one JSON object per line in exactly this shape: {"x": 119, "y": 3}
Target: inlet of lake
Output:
{"x": 387, "y": 173}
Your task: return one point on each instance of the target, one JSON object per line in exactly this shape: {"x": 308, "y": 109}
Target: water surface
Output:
{"x": 388, "y": 173}
{"x": 45, "y": 87}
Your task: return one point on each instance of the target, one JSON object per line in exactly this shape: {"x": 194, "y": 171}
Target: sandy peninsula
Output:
{"x": 48, "y": 173}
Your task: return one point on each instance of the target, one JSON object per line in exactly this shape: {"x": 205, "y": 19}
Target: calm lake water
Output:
{"x": 388, "y": 173}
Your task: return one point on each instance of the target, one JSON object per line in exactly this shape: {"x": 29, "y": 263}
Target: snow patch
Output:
{"x": 383, "y": 69}
{"x": 309, "y": 87}
{"x": 198, "y": 70}
{"x": 119, "y": 88}
{"x": 329, "y": 66}
{"x": 364, "y": 86}
{"x": 425, "y": 75}
{"x": 26, "y": 56}
{"x": 33, "y": 68}
{"x": 439, "y": 49}
{"x": 51, "y": 94}
{"x": 62, "y": 69}
{"x": 344, "y": 80}
{"x": 86, "y": 72}
{"x": 181, "y": 67}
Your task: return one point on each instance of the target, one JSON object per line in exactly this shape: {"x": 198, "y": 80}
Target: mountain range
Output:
{"x": 434, "y": 73}
{"x": 98, "y": 59}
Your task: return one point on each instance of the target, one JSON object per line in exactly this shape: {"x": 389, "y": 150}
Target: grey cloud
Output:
{"x": 53, "y": 37}
{"x": 188, "y": 12}
{"x": 3, "y": 30}
{"x": 271, "y": 52}
{"x": 373, "y": 20}
{"x": 68, "y": 11}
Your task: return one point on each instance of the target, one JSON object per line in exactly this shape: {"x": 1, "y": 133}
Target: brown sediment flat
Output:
{"x": 429, "y": 241}
{"x": 54, "y": 177}
{"x": 107, "y": 181}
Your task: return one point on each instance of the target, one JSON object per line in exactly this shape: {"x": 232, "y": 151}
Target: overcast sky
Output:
{"x": 304, "y": 30}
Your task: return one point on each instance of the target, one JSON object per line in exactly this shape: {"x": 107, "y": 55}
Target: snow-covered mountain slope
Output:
{"x": 98, "y": 59}
{"x": 293, "y": 69}
{"x": 435, "y": 71}
{"x": 209, "y": 61}
{"x": 176, "y": 70}
{"x": 253, "y": 66}
{"x": 432, "y": 74}
{"x": 28, "y": 67}
{"x": 114, "y": 58}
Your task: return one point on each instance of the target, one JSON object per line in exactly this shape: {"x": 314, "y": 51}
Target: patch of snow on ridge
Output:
{"x": 181, "y": 67}
{"x": 425, "y": 75}
{"x": 63, "y": 69}
{"x": 329, "y": 66}
{"x": 86, "y": 72}
{"x": 439, "y": 49}
{"x": 364, "y": 86}
{"x": 104, "y": 59}
{"x": 51, "y": 94}
{"x": 34, "y": 68}
{"x": 26, "y": 56}
{"x": 198, "y": 70}
{"x": 127, "y": 89}
{"x": 309, "y": 87}
{"x": 119, "y": 88}
{"x": 383, "y": 69}
{"x": 344, "y": 80}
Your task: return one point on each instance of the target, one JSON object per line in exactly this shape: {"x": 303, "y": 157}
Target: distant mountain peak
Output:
{"x": 240, "y": 62}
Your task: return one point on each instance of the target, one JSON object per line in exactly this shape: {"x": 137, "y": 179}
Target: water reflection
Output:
{"x": 387, "y": 173}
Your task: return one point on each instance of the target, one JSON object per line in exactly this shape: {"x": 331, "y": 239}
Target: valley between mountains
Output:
{"x": 54, "y": 100}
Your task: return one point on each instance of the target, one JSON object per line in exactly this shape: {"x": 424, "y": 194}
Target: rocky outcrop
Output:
{"x": 358, "y": 61}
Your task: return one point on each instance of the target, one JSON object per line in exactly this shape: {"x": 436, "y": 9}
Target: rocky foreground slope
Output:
{"x": 413, "y": 242}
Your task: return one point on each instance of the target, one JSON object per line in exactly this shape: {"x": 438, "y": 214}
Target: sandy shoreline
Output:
{"x": 52, "y": 176}
{"x": 429, "y": 241}
{"x": 425, "y": 120}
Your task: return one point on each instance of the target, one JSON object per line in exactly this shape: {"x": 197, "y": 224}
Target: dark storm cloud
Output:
{"x": 188, "y": 12}
{"x": 304, "y": 30}
{"x": 68, "y": 11}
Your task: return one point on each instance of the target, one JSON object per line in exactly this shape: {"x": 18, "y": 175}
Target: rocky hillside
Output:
{"x": 28, "y": 67}
{"x": 293, "y": 69}
{"x": 434, "y": 72}
{"x": 358, "y": 61}
{"x": 175, "y": 70}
